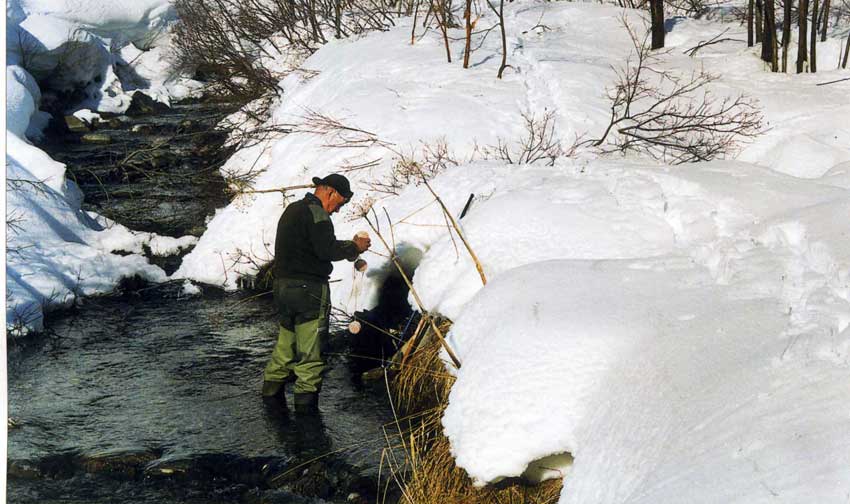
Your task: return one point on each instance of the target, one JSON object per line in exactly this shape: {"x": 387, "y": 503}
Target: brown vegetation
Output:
{"x": 419, "y": 457}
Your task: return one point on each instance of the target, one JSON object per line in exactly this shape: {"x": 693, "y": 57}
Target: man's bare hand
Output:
{"x": 362, "y": 241}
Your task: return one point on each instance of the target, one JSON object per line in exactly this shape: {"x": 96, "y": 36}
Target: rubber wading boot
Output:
{"x": 307, "y": 402}
{"x": 274, "y": 394}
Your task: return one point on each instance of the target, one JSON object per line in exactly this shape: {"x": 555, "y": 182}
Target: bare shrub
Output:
{"x": 337, "y": 133}
{"x": 229, "y": 40}
{"x": 221, "y": 40}
{"x": 416, "y": 167}
{"x": 672, "y": 118}
{"x": 539, "y": 144}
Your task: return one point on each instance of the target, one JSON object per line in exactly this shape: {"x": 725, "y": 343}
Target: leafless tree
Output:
{"x": 467, "y": 17}
{"x": 801, "y": 35}
{"x": 441, "y": 11}
{"x": 500, "y": 12}
{"x": 656, "y": 9}
{"x": 846, "y": 51}
{"x": 786, "y": 32}
{"x": 768, "y": 40}
{"x": 813, "y": 43}
{"x": 750, "y": 32}
{"x": 825, "y": 15}
{"x": 672, "y": 118}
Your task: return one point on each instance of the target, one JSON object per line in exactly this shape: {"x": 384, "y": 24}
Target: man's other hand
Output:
{"x": 362, "y": 241}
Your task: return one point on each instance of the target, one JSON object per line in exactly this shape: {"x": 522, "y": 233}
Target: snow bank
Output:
{"x": 536, "y": 342}
{"x": 56, "y": 252}
{"x": 747, "y": 401}
{"x": 105, "y": 50}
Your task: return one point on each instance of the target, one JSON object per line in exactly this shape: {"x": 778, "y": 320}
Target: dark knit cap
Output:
{"x": 336, "y": 181}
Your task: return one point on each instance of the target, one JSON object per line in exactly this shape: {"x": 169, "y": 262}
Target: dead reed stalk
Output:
{"x": 425, "y": 315}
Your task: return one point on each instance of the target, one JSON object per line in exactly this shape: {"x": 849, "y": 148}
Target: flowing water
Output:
{"x": 151, "y": 395}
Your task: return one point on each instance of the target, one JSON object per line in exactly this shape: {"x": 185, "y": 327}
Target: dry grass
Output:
{"x": 419, "y": 456}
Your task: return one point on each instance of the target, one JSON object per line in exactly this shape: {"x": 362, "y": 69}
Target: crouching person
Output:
{"x": 305, "y": 247}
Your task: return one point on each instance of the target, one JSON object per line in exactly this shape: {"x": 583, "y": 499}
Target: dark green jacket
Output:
{"x": 305, "y": 244}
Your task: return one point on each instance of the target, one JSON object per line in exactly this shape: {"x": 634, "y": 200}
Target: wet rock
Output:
{"x": 282, "y": 497}
{"x": 162, "y": 159}
{"x": 185, "y": 125}
{"x": 58, "y": 466}
{"x": 23, "y": 469}
{"x": 205, "y": 150}
{"x": 168, "y": 468}
{"x": 313, "y": 481}
{"x": 143, "y": 129}
{"x": 356, "y": 498}
{"x": 143, "y": 104}
{"x": 196, "y": 231}
{"x": 76, "y": 125}
{"x": 115, "y": 123}
{"x": 96, "y": 138}
{"x": 129, "y": 464}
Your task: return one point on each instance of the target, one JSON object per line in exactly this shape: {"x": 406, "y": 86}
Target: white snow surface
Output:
{"x": 682, "y": 331}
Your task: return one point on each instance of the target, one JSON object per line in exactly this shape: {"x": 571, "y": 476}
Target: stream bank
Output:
{"x": 151, "y": 394}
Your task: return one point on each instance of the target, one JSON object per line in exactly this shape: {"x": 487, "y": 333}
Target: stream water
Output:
{"x": 150, "y": 395}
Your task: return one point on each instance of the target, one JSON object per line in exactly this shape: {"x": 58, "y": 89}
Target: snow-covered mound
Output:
{"x": 104, "y": 49}
{"x": 56, "y": 252}
{"x": 699, "y": 376}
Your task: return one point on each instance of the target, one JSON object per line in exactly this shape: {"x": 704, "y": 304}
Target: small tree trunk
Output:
{"x": 801, "y": 36}
{"x": 656, "y": 9}
{"x": 440, "y": 15}
{"x": 846, "y": 51}
{"x": 768, "y": 44}
{"x": 505, "y": 40}
{"x": 813, "y": 50}
{"x": 467, "y": 16}
{"x": 750, "y": 10}
{"x": 786, "y": 34}
{"x": 338, "y": 18}
{"x": 825, "y": 20}
{"x": 415, "y": 16}
{"x": 759, "y": 24}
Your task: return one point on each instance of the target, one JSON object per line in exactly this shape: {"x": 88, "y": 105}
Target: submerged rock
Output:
{"x": 76, "y": 125}
{"x": 144, "y": 129}
{"x": 23, "y": 469}
{"x": 130, "y": 464}
{"x": 185, "y": 126}
{"x": 96, "y": 138}
{"x": 143, "y": 104}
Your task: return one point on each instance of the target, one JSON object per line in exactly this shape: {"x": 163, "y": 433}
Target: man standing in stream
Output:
{"x": 305, "y": 246}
